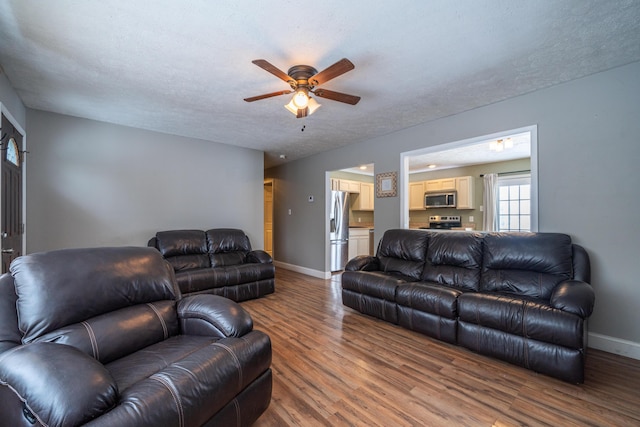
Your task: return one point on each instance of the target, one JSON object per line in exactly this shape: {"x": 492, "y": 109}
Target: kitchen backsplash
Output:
{"x": 360, "y": 218}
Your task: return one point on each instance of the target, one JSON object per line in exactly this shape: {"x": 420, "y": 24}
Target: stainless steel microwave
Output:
{"x": 440, "y": 200}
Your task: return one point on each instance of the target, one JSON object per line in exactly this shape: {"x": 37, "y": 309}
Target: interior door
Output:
{"x": 268, "y": 217}
{"x": 11, "y": 170}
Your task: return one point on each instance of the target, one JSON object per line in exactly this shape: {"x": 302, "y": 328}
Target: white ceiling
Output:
{"x": 473, "y": 153}
{"x": 184, "y": 67}
{"x": 461, "y": 153}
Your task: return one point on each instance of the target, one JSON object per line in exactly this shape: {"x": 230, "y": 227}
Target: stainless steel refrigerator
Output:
{"x": 339, "y": 229}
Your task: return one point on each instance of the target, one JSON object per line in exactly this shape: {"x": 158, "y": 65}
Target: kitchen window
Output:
{"x": 514, "y": 203}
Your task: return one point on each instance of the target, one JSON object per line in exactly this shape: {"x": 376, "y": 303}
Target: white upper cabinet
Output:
{"x": 465, "y": 192}
{"x": 446, "y": 184}
{"x": 416, "y": 195}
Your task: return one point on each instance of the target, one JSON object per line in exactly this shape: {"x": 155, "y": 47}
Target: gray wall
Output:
{"x": 12, "y": 102}
{"x": 588, "y": 152}
{"x": 96, "y": 184}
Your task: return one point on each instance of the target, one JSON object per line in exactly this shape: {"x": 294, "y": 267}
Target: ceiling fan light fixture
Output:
{"x": 301, "y": 98}
{"x": 312, "y": 105}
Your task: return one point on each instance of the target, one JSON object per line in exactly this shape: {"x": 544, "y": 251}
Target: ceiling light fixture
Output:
{"x": 500, "y": 145}
{"x": 301, "y": 104}
{"x": 431, "y": 166}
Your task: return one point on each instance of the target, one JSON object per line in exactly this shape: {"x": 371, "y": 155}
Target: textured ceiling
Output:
{"x": 184, "y": 67}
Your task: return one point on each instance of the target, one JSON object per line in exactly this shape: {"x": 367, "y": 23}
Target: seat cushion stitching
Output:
{"x": 92, "y": 339}
{"x": 174, "y": 393}
{"x": 165, "y": 330}
{"x": 235, "y": 358}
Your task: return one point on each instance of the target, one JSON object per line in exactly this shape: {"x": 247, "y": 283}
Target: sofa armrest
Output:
{"x": 259, "y": 257}
{"x": 59, "y": 384}
{"x": 363, "y": 263}
{"x": 213, "y": 315}
{"x": 574, "y": 296}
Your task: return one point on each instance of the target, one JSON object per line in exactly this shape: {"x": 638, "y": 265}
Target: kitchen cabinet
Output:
{"x": 445, "y": 184}
{"x": 358, "y": 242}
{"x": 416, "y": 195}
{"x": 364, "y": 200}
{"x": 349, "y": 186}
{"x": 465, "y": 192}
{"x": 462, "y": 185}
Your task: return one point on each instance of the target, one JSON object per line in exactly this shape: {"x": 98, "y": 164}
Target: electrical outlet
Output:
{"x": 471, "y": 218}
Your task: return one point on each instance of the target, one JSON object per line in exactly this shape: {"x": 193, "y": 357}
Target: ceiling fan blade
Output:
{"x": 331, "y": 72}
{"x": 337, "y": 96}
{"x": 267, "y": 66}
{"x": 267, "y": 95}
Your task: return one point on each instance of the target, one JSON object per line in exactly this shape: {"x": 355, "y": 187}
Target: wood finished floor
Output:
{"x": 335, "y": 367}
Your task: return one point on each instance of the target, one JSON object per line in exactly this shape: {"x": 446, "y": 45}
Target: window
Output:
{"x": 514, "y": 203}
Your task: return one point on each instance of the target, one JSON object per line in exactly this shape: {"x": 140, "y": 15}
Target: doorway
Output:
{"x": 268, "y": 216}
{"x": 11, "y": 171}
{"x": 350, "y": 233}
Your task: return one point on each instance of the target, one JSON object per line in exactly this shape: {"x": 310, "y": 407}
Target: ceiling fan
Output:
{"x": 303, "y": 80}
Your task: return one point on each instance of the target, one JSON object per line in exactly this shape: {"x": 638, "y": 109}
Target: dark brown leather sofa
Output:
{"x": 218, "y": 261}
{"x": 521, "y": 297}
{"x": 102, "y": 337}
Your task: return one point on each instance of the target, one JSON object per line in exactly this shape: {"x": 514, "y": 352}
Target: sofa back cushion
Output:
{"x": 184, "y": 249}
{"x": 112, "y": 335}
{"x": 227, "y": 246}
{"x": 59, "y": 289}
{"x": 403, "y": 251}
{"x": 454, "y": 259}
{"x": 529, "y": 264}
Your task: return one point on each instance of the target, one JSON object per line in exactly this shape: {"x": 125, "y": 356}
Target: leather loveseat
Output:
{"x": 218, "y": 261}
{"x": 521, "y": 297}
{"x": 102, "y": 337}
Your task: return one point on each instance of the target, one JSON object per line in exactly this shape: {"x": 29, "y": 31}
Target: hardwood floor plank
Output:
{"x": 333, "y": 366}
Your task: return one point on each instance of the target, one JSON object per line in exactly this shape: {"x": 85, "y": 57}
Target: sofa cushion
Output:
{"x": 527, "y": 264}
{"x": 186, "y": 379}
{"x": 181, "y": 242}
{"x": 373, "y": 283}
{"x": 403, "y": 252}
{"x": 183, "y": 249}
{"x": 429, "y": 298}
{"x": 60, "y": 288}
{"x": 210, "y": 278}
{"x": 227, "y": 246}
{"x": 112, "y": 335}
{"x": 523, "y": 317}
{"x": 454, "y": 259}
{"x": 195, "y": 280}
{"x": 243, "y": 273}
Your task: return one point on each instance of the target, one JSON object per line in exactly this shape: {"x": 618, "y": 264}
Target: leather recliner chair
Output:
{"x": 102, "y": 337}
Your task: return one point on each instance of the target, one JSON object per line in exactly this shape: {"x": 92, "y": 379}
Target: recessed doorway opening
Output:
{"x": 460, "y": 167}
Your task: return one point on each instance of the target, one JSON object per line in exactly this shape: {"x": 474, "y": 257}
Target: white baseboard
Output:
{"x": 308, "y": 271}
{"x": 614, "y": 345}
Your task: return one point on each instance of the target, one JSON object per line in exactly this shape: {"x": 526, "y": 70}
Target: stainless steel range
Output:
{"x": 444, "y": 222}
